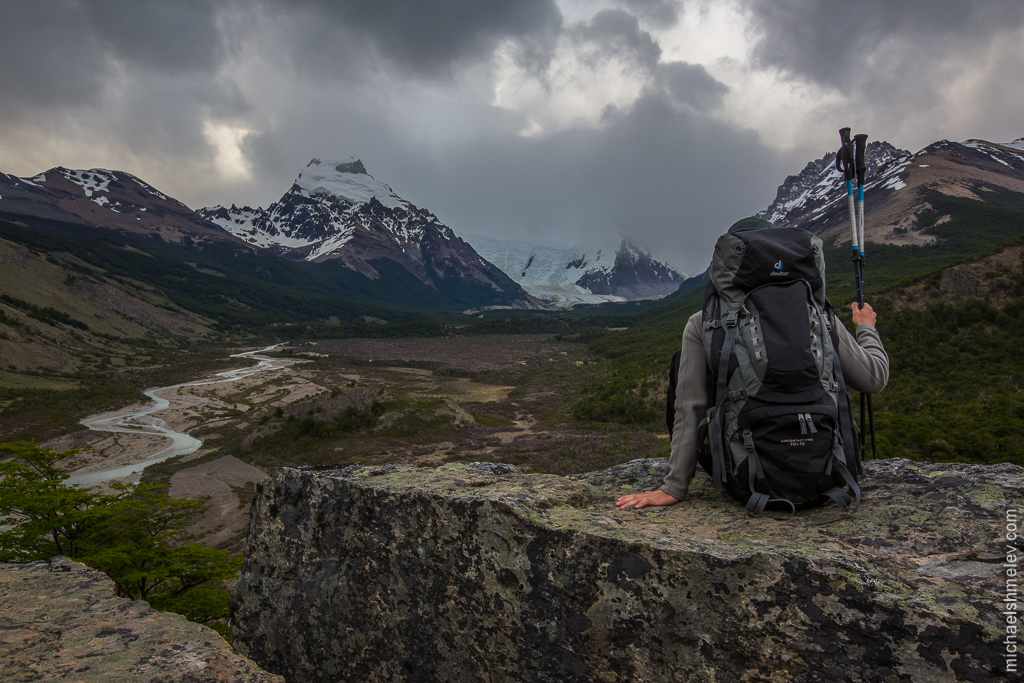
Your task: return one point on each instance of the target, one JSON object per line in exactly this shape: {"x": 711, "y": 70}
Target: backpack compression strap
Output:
{"x": 758, "y": 501}
{"x": 719, "y": 474}
{"x": 841, "y": 497}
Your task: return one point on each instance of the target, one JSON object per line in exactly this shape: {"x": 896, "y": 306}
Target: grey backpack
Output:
{"x": 779, "y": 428}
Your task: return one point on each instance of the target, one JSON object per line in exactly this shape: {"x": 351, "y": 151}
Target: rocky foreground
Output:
{"x": 481, "y": 573}
{"x": 60, "y": 620}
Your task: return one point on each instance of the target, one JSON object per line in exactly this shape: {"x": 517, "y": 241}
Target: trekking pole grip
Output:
{"x": 860, "y": 145}
{"x": 845, "y": 163}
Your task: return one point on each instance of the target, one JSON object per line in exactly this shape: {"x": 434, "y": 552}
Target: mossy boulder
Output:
{"x": 476, "y": 572}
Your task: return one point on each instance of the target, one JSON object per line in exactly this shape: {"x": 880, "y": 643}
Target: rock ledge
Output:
{"x": 478, "y": 572}
{"x": 60, "y": 620}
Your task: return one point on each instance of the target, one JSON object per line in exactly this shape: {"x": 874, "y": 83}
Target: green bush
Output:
{"x": 135, "y": 535}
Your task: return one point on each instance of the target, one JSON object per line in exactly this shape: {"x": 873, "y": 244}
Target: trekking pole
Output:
{"x": 860, "y": 142}
{"x": 845, "y": 162}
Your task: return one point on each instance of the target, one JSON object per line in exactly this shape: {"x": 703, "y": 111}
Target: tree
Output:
{"x": 136, "y": 535}
{"x": 140, "y": 548}
{"x": 46, "y": 517}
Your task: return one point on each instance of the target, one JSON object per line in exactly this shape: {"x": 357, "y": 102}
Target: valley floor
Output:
{"x": 426, "y": 402}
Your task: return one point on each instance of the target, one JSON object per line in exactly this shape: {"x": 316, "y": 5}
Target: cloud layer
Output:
{"x": 570, "y": 120}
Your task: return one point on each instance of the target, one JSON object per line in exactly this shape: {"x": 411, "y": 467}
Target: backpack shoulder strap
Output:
{"x": 718, "y": 475}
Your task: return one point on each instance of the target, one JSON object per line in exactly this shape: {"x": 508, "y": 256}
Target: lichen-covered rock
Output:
{"x": 60, "y": 620}
{"x": 480, "y": 573}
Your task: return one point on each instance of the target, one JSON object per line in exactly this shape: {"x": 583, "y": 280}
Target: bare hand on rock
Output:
{"x": 640, "y": 500}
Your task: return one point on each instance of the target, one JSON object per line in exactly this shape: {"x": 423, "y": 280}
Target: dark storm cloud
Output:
{"x": 691, "y": 84}
{"x": 427, "y": 38}
{"x": 672, "y": 178}
{"x": 831, "y": 41}
{"x": 615, "y": 33}
{"x": 47, "y": 59}
{"x": 167, "y": 35}
{"x": 61, "y": 52}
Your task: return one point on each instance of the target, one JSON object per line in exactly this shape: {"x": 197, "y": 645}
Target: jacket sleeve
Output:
{"x": 864, "y": 360}
{"x": 690, "y": 409}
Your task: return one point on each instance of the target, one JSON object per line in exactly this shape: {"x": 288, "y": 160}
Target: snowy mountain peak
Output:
{"x": 337, "y": 212}
{"x": 345, "y": 178}
{"x": 565, "y": 276}
{"x": 899, "y": 188}
{"x": 813, "y": 191}
{"x": 104, "y": 198}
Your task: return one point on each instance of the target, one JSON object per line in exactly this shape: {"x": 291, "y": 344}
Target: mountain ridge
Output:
{"x": 337, "y": 212}
{"x": 115, "y": 200}
{"x": 898, "y": 208}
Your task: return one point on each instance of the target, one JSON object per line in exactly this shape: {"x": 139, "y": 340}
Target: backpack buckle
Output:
{"x": 737, "y": 395}
{"x": 748, "y": 440}
{"x": 732, "y": 317}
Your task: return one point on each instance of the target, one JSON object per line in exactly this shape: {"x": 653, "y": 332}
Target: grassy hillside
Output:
{"x": 234, "y": 287}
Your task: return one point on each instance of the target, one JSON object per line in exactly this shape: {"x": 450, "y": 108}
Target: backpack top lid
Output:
{"x": 754, "y": 252}
{"x": 751, "y": 223}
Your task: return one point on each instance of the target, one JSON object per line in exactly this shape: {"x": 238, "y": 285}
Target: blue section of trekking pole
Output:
{"x": 860, "y": 142}
{"x": 860, "y": 218}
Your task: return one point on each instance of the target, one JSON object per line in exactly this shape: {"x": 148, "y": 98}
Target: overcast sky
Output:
{"x": 558, "y": 120}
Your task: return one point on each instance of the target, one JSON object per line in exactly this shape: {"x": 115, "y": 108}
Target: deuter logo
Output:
{"x": 778, "y": 266}
{"x": 778, "y": 269}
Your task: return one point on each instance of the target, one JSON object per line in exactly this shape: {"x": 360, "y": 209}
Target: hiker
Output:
{"x": 864, "y": 364}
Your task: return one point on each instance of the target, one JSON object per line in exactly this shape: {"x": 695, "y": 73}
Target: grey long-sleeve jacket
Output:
{"x": 865, "y": 368}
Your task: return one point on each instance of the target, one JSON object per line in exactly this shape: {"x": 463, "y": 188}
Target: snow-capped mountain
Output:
{"x": 107, "y": 199}
{"x": 898, "y": 187}
{"x": 568, "y": 276}
{"x": 337, "y": 212}
{"x": 807, "y": 195}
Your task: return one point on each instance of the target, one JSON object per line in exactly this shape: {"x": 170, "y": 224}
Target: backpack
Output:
{"x": 779, "y": 428}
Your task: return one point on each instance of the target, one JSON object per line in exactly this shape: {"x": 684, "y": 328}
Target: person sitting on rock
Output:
{"x": 865, "y": 366}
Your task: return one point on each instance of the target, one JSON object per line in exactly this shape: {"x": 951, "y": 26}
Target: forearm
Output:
{"x": 690, "y": 409}
{"x": 864, "y": 360}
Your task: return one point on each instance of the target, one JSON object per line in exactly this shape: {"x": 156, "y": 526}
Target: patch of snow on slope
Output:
{"x": 329, "y": 245}
{"x": 91, "y": 181}
{"x": 321, "y": 176}
{"x": 149, "y": 189}
{"x": 241, "y": 224}
{"x": 890, "y": 179}
{"x": 998, "y": 149}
